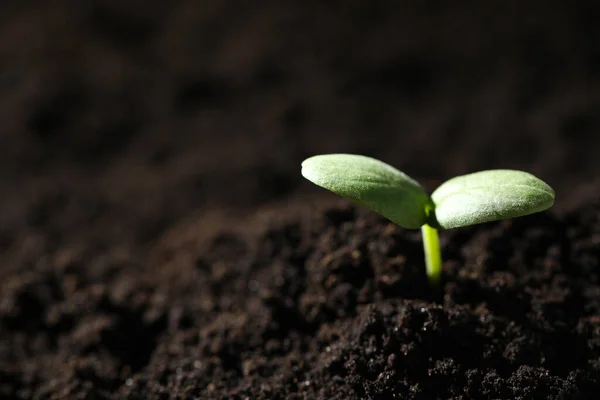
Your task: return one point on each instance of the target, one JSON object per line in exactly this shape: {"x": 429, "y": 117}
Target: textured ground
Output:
{"x": 157, "y": 240}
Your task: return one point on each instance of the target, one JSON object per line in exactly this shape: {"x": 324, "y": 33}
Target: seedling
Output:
{"x": 461, "y": 201}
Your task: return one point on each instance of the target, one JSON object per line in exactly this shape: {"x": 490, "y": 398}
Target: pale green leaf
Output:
{"x": 371, "y": 183}
{"x": 489, "y": 196}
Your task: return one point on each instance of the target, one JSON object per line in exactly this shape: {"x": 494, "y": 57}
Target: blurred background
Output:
{"x": 121, "y": 119}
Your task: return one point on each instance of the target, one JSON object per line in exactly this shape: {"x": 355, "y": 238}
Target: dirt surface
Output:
{"x": 158, "y": 242}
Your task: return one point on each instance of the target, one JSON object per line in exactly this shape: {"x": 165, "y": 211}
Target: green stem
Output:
{"x": 433, "y": 254}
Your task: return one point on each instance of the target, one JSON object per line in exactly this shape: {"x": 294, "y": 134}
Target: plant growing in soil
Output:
{"x": 461, "y": 201}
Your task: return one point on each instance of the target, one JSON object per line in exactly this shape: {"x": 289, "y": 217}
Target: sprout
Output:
{"x": 461, "y": 201}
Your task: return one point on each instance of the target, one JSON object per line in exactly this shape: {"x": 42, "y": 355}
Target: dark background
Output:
{"x": 131, "y": 128}
{"x": 148, "y": 112}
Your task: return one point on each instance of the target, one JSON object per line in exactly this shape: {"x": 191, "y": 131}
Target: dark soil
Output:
{"x": 158, "y": 242}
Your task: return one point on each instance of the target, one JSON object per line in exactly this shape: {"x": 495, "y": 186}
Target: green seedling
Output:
{"x": 461, "y": 201}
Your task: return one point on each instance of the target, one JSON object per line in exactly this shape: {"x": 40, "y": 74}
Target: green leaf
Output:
{"x": 371, "y": 183}
{"x": 489, "y": 196}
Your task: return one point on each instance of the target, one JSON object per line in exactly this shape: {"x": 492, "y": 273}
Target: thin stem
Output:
{"x": 433, "y": 254}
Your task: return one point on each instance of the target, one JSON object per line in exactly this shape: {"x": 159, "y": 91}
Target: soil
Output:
{"x": 158, "y": 242}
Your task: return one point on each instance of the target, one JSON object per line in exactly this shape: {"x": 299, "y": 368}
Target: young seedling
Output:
{"x": 461, "y": 201}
